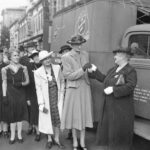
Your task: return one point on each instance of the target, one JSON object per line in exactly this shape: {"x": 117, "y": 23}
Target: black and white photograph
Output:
{"x": 74, "y": 74}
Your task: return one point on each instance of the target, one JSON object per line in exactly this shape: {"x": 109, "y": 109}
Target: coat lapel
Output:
{"x": 42, "y": 73}
{"x": 124, "y": 69}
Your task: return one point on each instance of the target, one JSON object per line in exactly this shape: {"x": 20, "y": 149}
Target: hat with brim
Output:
{"x": 124, "y": 50}
{"x": 34, "y": 53}
{"x": 65, "y": 47}
{"x": 77, "y": 40}
{"x": 44, "y": 54}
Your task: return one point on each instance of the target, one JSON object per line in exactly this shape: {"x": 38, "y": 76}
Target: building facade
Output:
{"x": 31, "y": 27}
{"x": 14, "y": 35}
{"x": 9, "y": 15}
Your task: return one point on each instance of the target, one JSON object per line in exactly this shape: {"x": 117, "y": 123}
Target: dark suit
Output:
{"x": 115, "y": 128}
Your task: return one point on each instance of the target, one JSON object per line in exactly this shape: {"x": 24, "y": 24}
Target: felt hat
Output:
{"x": 76, "y": 40}
{"x": 65, "y": 47}
{"x": 34, "y": 53}
{"x": 124, "y": 50}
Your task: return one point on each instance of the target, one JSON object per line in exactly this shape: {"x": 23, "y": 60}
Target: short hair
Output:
{"x": 11, "y": 51}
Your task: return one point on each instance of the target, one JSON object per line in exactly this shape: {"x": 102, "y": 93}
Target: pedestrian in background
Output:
{"x": 49, "y": 88}
{"x": 15, "y": 77}
{"x": 25, "y": 61}
{"x": 3, "y": 124}
{"x": 34, "y": 109}
{"x": 115, "y": 128}
{"x": 77, "y": 111}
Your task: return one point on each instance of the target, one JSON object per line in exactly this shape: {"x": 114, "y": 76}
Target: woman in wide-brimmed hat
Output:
{"x": 49, "y": 88}
{"x": 77, "y": 112}
{"x": 115, "y": 128}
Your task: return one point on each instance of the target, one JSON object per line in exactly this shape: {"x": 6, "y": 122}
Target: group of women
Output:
{"x": 62, "y": 97}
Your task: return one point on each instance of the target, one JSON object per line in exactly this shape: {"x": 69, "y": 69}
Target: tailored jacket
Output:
{"x": 42, "y": 90}
{"x": 72, "y": 68}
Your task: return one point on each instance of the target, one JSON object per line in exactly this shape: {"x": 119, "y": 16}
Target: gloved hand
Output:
{"x": 5, "y": 100}
{"x": 108, "y": 90}
{"x": 17, "y": 84}
{"x": 86, "y": 66}
{"x": 93, "y": 68}
{"x": 43, "y": 109}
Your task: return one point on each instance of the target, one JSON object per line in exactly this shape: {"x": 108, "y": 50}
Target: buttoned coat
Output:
{"x": 115, "y": 128}
{"x": 77, "y": 112}
{"x": 41, "y": 83}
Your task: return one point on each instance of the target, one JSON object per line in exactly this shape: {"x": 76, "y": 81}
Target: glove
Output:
{"x": 93, "y": 68}
{"x": 5, "y": 100}
{"x": 86, "y": 66}
{"x": 43, "y": 109}
{"x": 108, "y": 90}
{"x": 17, "y": 84}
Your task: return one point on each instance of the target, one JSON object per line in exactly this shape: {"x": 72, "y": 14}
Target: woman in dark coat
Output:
{"x": 34, "y": 108}
{"x": 115, "y": 128}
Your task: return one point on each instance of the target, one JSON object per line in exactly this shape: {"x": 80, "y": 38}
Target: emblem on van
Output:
{"x": 82, "y": 25}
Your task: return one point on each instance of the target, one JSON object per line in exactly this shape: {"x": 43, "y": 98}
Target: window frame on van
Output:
{"x": 128, "y": 36}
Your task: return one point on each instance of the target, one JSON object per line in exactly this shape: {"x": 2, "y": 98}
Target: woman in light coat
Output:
{"x": 77, "y": 112}
{"x": 49, "y": 88}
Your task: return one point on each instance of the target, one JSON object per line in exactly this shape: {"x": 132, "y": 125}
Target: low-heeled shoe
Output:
{"x": 37, "y": 137}
{"x": 49, "y": 144}
{"x": 12, "y": 141}
{"x": 20, "y": 140}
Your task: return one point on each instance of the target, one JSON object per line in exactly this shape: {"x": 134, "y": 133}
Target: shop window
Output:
{"x": 140, "y": 44}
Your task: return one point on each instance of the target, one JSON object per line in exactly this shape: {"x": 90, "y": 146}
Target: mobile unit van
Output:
{"x": 104, "y": 24}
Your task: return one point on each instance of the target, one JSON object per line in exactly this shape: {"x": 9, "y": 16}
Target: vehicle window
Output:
{"x": 140, "y": 45}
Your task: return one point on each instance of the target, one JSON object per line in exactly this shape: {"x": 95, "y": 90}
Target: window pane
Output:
{"x": 141, "y": 44}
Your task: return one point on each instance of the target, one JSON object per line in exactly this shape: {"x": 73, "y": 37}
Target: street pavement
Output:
{"x": 30, "y": 144}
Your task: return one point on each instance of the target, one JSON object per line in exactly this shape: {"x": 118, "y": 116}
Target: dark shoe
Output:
{"x": 20, "y": 141}
{"x": 30, "y": 131}
{"x": 83, "y": 148}
{"x": 60, "y": 145}
{"x": 49, "y": 145}
{"x": 5, "y": 134}
{"x": 12, "y": 141}
{"x": 37, "y": 137}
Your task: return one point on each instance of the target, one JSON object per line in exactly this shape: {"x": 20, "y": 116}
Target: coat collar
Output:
{"x": 77, "y": 56}
{"x": 124, "y": 69}
{"x": 42, "y": 72}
